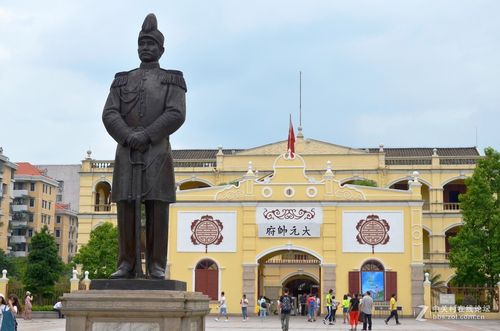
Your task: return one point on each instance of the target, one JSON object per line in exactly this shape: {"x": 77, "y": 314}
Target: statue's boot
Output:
{"x": 126, "y": 240}
{"x": 156, "y": 238}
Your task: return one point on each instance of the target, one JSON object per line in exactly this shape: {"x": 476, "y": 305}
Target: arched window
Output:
{"x": 372, "y": 265}
{"x": 206, "y": 279}
{"x": 102, "y": 197}
{"x": 374, "y": 278}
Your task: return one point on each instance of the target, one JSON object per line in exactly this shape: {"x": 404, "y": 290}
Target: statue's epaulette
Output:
{"x": 173, "y": 77}
{"x": 120, "y": 79}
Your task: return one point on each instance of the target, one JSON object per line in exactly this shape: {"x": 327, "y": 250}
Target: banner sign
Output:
{"x": 206, "y": 232}
{"x": 289, "y": 221}
{"x": 373, "y": 231}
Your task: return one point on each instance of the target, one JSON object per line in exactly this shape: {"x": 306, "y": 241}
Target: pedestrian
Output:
{"x": 354, "y": 312}
{"x": 366, "y": 308}
{"x": 311, "y": 308}
{"x": 244, "y": 307}
{"x": 9, "y": 313}
{"x": 303, "y": 299}
{"x": 3, "y": 305}
{"x": 285, "y": 308}
{"x": 328, "y": 303}
{"x": 222, "y": 307}
{"x": 57, "y": 307}
{"x": 345, "y": 308}
{"x": 318, "y": 305}
{"x": 335, "y": 305}
{"x": 28, "y": 299}
{"x": 394, "y": 310}
{"x": 262, "y": 308}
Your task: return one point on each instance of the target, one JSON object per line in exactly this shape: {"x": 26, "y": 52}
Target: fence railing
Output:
{"x": 485, "y": 297}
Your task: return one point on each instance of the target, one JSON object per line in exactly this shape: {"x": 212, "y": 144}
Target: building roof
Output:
{"x": 27, "y": 169}
{"x": 427, "y": 152}
{"x": 210, "y": 154}
{"x": 200, "y": 154}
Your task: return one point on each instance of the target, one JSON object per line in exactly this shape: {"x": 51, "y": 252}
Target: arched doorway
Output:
{"x": 451, "y": 193}
{"x": 301, "y": 284}
{"x": 375, "y": 278}
{"x": 297, "y": 270}
{"x": 206, "y": 278}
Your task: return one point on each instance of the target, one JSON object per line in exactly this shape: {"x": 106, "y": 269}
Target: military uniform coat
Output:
{"x": 154, "y": 100}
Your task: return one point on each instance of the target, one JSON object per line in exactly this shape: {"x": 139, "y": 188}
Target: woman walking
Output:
{"x": 244, "y": 307}
{"x": 28, "y": 299}
{"x": 345, "y": 308}
{"x": 354, "y": 312}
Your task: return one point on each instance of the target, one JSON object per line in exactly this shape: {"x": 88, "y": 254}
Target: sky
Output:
{"x": 398, "y": 73}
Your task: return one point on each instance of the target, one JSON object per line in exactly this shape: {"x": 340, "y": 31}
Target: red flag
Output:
{"x": 291, "y": 139}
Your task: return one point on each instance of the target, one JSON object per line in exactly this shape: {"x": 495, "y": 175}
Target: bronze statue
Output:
{"x": 144, "y": 107}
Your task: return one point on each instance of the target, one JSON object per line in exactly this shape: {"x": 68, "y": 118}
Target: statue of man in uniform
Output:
{"x": 144, "y": 107}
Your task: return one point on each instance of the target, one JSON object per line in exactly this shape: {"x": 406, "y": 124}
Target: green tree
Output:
{"x": 6, "y": 262}
{"x": 364, "y": 182}
{"x": 44, "y": 265}
{"x": 100, "y": 254}
{"x": 435, "y": 279}
{"x": 475, "y": 250}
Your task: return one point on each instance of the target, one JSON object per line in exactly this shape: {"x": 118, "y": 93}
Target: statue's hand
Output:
{"x": 139, "y": 140}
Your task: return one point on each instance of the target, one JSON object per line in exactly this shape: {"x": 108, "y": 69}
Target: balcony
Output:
{"x": 18, "y": 224}
{"x": 102, "y": 208}
{"x": 436, "y": 256}
{"x": 451, "y": 206}
{"x": 19, "y": 193}
{"x": 17, "y": 239}
{"x": 18, "y": 208}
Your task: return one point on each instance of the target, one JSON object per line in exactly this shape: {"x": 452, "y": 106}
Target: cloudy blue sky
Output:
{"x": 400, "y": 73}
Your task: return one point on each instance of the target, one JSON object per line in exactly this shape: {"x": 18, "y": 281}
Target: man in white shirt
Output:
{"x": 366, "y": 308}
{"x": 222, "y": 307}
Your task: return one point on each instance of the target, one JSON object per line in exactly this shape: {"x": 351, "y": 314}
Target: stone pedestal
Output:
{"x": 135, "y": 310}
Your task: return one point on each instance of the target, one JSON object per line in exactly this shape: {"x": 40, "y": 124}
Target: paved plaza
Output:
{"x": 297, "y": 324}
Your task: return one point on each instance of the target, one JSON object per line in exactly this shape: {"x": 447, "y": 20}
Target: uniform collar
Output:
{"x": 149, "y": 65}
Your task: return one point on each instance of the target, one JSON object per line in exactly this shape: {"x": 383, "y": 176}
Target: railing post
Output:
{"x": 427, "y": 295}
{"x": 75, "y": 282}
{"x": 86, "y": 281}
{"x": 4, "y": 281}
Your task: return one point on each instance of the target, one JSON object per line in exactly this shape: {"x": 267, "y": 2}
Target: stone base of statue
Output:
{"x": 135, "y": 304}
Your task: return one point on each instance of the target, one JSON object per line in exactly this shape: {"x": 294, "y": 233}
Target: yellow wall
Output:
{"x": 346, "y": 164}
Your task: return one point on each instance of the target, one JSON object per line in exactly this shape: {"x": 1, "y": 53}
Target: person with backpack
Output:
{"x": 311, "y": 308}
{"x": 285, "y": 306}
{"x": 262, "y": 308}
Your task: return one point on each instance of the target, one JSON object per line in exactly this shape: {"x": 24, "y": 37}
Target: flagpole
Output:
{"x": 299, "y": 133}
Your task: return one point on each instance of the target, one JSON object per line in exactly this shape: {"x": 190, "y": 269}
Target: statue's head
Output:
{"x": 150, "y": 40}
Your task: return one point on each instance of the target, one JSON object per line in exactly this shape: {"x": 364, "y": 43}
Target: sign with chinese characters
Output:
{"x": 373, "y": 231}
{"x": 289, "y": 221}
{"x": 206, "y": 231}
{"x": 446, "y": 299}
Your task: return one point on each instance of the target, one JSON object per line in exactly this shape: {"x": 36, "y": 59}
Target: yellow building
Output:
{"x": 66, "y": 231}
{"x": 252, "y": 221}
{"x": 7, "y": 170}
{"x": 33, "y": 206}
